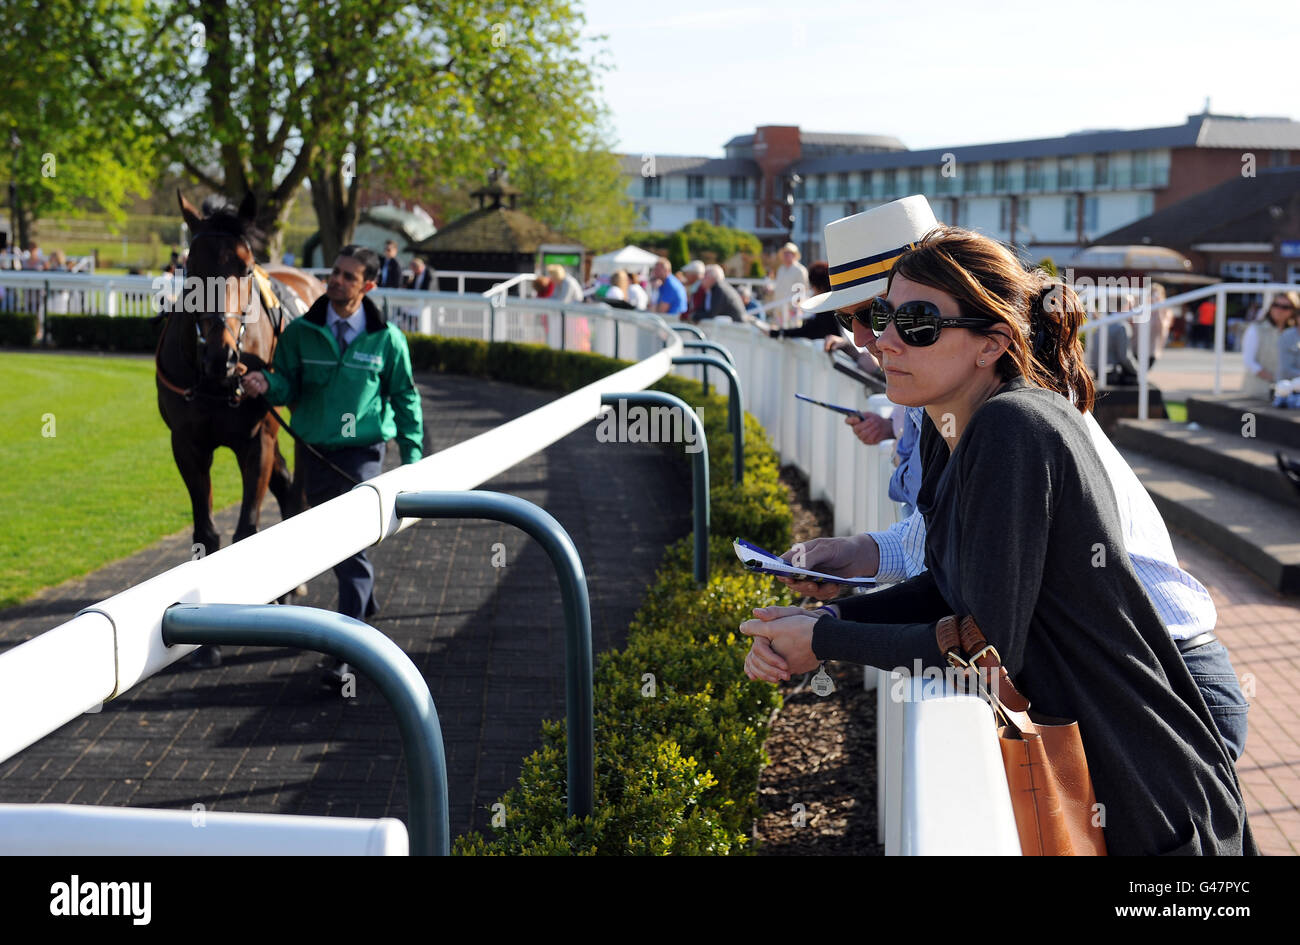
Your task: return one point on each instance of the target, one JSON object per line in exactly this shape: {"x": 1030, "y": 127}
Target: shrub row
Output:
{"x": 18, "y": 331}
{"x": 679, "y": 729}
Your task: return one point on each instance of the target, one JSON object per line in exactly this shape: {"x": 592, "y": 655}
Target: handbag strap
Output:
{"x": 964, "y": 646}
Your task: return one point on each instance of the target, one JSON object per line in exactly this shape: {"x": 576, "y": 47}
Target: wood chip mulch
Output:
{"x": 819, "y": 792}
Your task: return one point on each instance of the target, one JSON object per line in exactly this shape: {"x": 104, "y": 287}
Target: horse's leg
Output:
{"x": 195, "y": 464}
{"x": 282, "y": 485}
{"x": 255, "y": 457}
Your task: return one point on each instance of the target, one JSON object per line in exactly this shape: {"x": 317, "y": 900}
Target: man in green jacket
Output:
{"x": 347, "y": 373}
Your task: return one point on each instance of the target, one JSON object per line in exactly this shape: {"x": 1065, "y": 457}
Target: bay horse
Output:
{"x": 221, "y": 325}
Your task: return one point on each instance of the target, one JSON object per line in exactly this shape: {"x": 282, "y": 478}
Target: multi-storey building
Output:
{"x": 1050, "y": 195}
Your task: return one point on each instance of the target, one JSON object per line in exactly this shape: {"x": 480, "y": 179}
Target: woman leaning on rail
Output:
{"x": 1023, "y": 535}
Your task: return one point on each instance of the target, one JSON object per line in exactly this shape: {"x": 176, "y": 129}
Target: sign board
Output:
{"x": 1290, "y": 249}
{"x": 570, "y": 257}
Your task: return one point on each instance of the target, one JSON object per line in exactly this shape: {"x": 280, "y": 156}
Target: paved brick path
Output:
{"x": 260, "y": 734}
{"x": 1261, "y": 630}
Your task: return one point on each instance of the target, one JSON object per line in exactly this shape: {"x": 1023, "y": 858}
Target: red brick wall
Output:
{"x": 782, "y": 149}
{"x": 1194, "y": 170}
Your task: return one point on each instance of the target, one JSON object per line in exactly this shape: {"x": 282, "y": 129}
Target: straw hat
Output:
{"x": 862, "y": 249}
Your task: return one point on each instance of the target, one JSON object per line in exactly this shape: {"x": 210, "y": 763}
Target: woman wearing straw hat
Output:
{"x": 1019, "y": 512}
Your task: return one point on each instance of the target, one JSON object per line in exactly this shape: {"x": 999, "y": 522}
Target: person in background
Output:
{"x": 818, "y": 324}
{"x": 636, "y": 294}
{"x": 752, "y": 308}
{"x": 717, "y": 298}
{"x": 1203, "y": 325}
{"x": 390, "y": 270}
{"x": 788, "y": 277}
{"x": 421, "y": 278}
{"x": 692, "y": 278}
{"x": 543, "y": 287}
{"x": 669, "y": 296}
{"x": 1121, "y": 370}
{"x": 567, "y": 288}
{"x": 1158, "y": 324}
{"x": 1259, "y": 346}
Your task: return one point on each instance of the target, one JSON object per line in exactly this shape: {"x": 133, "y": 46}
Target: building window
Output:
{"x": 1141, "y": 169}
{"x": 1004, "y": 214}
{"x": 891, "y": 184}
{"x": 1065, "y": 174}
{"x": 819, "y": 192}
{"x": 842, "y": 186}
{"x": 1101, "y": 170}
{"x": 726, "y": 216}
{"x": 1033, "y": 175}
{"x": 1000, "y": 176}
{"x": 643, "y": 214}
{"x": 651, "y": 187}
{"x": 1240, "y": 271}
{"x": 1146, "y": 205}
{"x": 812, "y": 214}
{"x": 962, "y": 212}
{"x": 864, "y": 189}
{"x": 914, "y": 180}
{"x": 1069, "y": 214}
{"x": 1279, "y": 158}
{"x": 704, "y": 213}
{"x": 1090, "y": 214}
{"x": 694, "y": 187}
{"x": 739, "y": 188}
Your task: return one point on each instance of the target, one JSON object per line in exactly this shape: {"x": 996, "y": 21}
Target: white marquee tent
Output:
{"x": 632, "y": 259}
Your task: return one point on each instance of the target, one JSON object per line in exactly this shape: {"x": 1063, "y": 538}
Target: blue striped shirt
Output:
{"x": 1182, "y": 601}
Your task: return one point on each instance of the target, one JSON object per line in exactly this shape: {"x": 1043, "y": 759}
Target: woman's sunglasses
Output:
{"x": 918, "y": 322}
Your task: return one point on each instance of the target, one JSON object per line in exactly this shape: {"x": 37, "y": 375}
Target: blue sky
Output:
{"x": 687, "y": 76}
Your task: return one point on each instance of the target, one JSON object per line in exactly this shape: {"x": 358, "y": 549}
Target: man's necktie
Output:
{"x": 341, "y": 333}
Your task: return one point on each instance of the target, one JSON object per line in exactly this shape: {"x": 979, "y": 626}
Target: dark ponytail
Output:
{"x": 1055, "y": 316}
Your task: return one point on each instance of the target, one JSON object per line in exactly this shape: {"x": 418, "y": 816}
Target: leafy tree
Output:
{"x": 1048, "y": 266}
{"x": 269, "y": 95}
{"x": 679, "y": 252}
{"x": 55, "y": 157}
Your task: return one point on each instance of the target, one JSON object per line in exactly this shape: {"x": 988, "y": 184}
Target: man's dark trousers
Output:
{"x": 356, "y": 574}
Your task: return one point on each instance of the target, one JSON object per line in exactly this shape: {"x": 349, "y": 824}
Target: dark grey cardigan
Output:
{"x": 1023, "y": 533}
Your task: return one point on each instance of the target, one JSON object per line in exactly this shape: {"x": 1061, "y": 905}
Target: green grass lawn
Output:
{"x": 103, "y": 485}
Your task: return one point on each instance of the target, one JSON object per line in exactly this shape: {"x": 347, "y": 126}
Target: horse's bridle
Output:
{"x": 190, "y": 393}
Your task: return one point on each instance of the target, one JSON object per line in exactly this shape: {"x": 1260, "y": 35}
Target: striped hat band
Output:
{"x": 858, "y": 271}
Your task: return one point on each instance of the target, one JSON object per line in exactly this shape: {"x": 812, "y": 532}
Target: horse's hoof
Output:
{"x": 206, "y": 657}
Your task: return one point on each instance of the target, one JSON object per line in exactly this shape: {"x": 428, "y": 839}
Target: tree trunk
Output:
{"x": 335, "y": 203}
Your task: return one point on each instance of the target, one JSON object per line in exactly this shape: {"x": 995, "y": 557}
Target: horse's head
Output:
{"x": 218, "y": 295}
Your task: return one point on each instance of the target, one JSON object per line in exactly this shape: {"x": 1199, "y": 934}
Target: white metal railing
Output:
{"x": 1141, "y": 315}
{"x": 115, "y": 644}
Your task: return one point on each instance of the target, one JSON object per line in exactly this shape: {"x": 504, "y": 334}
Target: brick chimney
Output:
{"x": 776, "y": 147}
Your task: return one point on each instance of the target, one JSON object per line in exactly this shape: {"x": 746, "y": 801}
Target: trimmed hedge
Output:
{"x": 18, "y": 330}
{"x": 679, "y": 729}
{"x": 99, "y": 332}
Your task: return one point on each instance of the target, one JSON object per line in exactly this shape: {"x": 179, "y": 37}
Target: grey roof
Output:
{"x": 669, "y": 164}
{"x": 1205, "y": 131}
{"x": 1236, "y": 211}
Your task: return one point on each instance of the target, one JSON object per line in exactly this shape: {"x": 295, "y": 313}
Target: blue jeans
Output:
{"x": 1213, "y": 674}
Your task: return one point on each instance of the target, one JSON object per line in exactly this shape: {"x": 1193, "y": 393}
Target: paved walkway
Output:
{"x": 259, "y": 733}
{"x": 1261, "y": 630}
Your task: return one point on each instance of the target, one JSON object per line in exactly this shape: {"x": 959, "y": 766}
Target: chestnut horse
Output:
{"x": 221, "y": 325}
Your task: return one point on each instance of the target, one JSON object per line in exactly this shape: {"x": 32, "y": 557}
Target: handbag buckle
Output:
{"x": 986, "y": 648}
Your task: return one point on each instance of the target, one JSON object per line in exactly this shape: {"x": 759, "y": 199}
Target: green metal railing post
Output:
{"x": 375, "y": 656}
{"x": 735, "y": 411}
{"x": 710, "y": 346}
{"x": 578, "y": 673}
{"x": 699, "y": 468}
{"x": 700, "y": 336}
{"x": 563, "y": 332}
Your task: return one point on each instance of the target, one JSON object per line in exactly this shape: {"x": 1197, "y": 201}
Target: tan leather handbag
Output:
{"x": 1051, "y": 791}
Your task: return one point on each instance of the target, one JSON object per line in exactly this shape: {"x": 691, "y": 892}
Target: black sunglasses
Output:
{"x": 918, "y": 322}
